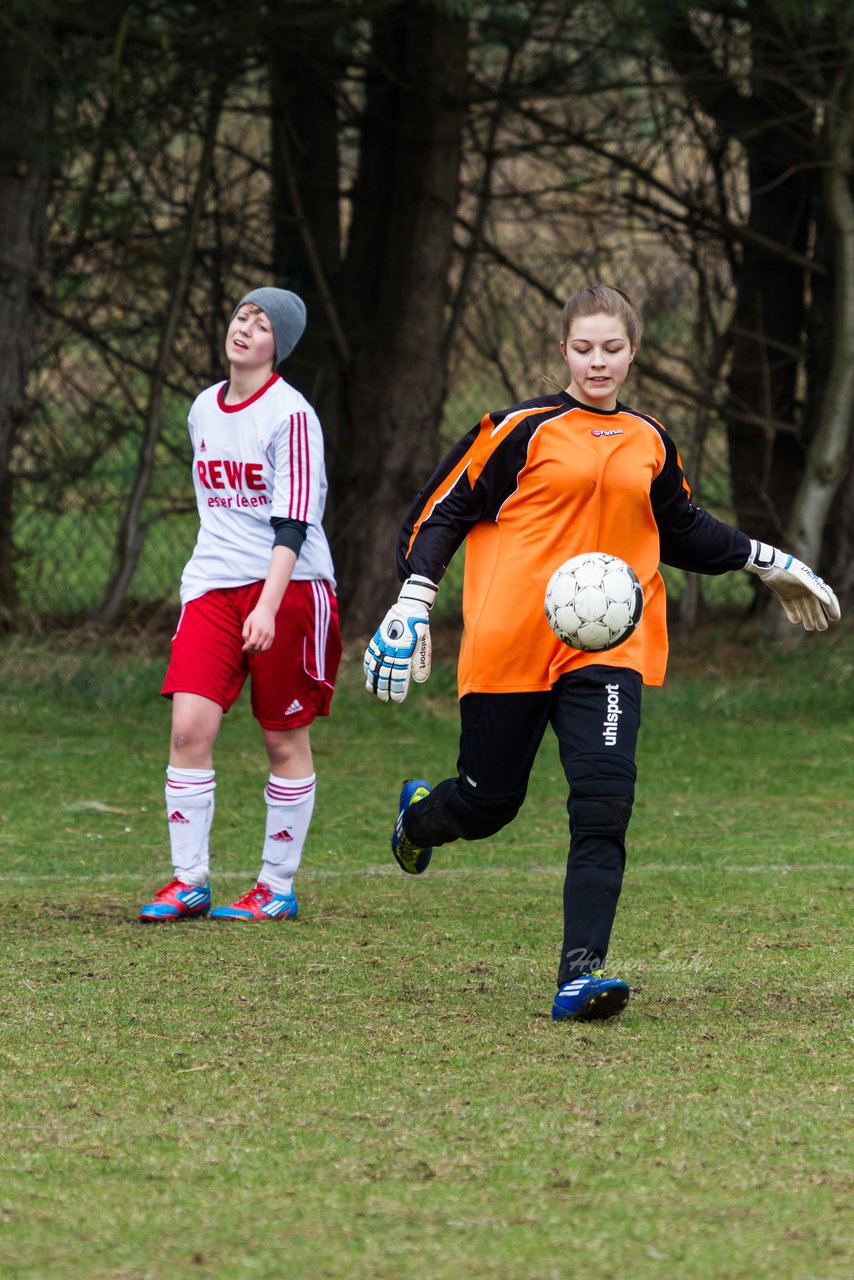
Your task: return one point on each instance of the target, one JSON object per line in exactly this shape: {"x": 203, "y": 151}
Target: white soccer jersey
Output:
{"x": 253, "y": 461}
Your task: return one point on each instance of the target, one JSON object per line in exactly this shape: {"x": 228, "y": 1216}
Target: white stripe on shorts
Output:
{"x": 322, "y": 616}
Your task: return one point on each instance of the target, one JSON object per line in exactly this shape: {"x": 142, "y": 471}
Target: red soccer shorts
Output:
{"x": 292, "y": 682}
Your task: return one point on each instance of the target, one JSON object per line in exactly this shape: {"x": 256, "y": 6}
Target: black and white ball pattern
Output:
{"x": 593, "y": 602}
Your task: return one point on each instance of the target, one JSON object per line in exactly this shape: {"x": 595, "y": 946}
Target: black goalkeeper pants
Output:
{"x": 595, "y": 714}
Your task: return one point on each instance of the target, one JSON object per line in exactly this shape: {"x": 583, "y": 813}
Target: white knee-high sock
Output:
{"x": 290, "y": 803}
{"x": 190, "y": 811}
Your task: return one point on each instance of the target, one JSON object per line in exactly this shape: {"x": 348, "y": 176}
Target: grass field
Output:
{"x": 377, "y": 1090}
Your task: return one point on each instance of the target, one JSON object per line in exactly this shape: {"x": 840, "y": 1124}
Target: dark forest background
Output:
{"x": 434, "y": 179}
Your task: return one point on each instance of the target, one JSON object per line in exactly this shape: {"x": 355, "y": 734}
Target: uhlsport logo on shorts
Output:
{"x": 612, "y": 715}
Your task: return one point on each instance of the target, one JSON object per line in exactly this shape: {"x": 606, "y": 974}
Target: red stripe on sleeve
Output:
{"x": 300, "y": 468}
{"x": 306, "y": 469}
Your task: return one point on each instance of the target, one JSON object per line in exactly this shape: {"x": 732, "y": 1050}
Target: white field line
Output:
{"x": 350, "y": 873}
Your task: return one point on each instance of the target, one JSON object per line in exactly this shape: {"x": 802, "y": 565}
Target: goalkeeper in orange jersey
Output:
{"x": 527, "y": 488}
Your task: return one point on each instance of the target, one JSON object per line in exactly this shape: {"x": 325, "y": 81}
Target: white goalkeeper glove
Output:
{"x": 804, "y": 596}
{"x": 401, "y": 645}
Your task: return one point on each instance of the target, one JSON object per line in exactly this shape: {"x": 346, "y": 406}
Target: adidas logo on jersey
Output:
{"x": 283, "y": 835}
{"x": 203, "y": 447}
{"x": 295, "y": 706}
{"x": 177, "y": 816}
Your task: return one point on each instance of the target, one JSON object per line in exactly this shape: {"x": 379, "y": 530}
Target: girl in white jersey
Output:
{"x": 257, "y": 600}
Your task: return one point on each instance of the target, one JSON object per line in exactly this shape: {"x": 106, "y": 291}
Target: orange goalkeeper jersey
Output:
{"x": 528, "y": 488}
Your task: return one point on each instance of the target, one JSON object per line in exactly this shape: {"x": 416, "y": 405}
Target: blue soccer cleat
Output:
{"x": 177, "y": 901}
{"x": 260, "y": 903}
{"x": 409, "y": 857}
{"x": 590, "y": 996}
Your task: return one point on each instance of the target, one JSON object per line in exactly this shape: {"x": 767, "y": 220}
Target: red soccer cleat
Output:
{"x": 177, "y": 901}
{"x": 260, "y": 903}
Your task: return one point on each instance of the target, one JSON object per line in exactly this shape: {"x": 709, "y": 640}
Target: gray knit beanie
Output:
{"x": 286, "y": 313}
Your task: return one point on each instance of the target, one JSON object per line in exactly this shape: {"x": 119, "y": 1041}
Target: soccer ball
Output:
{"x": 593, "y": 602}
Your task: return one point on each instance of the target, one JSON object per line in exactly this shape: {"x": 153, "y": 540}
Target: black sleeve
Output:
{"x": 289, "y": 533}
{"x": 439, "y": 518}
{"x": 691, "y": 538}
{"x": 469, "y": 485}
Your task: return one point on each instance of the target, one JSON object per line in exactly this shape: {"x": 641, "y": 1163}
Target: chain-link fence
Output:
{"x": 78, "y": 474}
{"x": 69, "y": 508}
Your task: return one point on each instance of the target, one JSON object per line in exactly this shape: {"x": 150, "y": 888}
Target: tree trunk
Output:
{"x": 304, "y": 70}
{"x": 26, "y": 89}
{"x": 830, "y": 444}
{"x": 765, "y": 447}
{"x": 396, "y": 290}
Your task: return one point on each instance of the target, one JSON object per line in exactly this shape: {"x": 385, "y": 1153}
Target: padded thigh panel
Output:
{"x": 602, "y": 792}
{"x": 603, "y": 774}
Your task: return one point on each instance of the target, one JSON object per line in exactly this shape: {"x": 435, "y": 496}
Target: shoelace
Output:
{"x": 259, "y": 894}
{"x": 168, "y": 888}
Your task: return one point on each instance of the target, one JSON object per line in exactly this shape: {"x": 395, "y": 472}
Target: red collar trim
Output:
{"x": 235, "y": 408}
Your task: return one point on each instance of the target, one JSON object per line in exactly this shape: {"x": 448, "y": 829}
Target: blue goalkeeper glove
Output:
{"x": 802, "y": 593}
{"x": 401, "y": 645}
